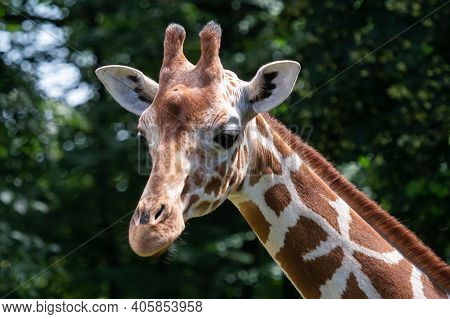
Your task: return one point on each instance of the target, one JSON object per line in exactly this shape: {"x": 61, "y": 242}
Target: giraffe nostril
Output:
{"x": 145, "y": 218}
{"x": 159, "y": 213}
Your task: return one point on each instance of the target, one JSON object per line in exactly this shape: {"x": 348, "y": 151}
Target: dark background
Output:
{"x": 68, "y": 152}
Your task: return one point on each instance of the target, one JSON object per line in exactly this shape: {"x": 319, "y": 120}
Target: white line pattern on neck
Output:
{"x": 280, "y": 225}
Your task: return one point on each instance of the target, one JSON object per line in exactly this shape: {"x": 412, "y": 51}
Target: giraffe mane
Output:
{"x": 381, "y": 221}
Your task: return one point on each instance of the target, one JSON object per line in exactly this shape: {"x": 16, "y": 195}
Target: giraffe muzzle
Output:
{"x": 153, "y": 228}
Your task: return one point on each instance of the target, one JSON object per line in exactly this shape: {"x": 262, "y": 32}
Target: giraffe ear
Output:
{"x": 272, "y": 85}
{"x": 129, "y": 87}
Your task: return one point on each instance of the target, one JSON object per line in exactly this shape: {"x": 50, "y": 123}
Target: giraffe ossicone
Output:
{"x": 210, "y": 139}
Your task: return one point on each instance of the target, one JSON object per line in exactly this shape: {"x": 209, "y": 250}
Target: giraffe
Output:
{"x": 210, "y": 138}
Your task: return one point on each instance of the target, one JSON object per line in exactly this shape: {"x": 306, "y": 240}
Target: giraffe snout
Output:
{"x": 153, "y": 227}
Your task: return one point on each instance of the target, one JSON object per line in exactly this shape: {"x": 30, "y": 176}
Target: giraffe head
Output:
{"x": 194, "y": 121}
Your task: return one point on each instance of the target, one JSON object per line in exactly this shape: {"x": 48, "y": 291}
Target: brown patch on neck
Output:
{"x": 365, "y": 236}
{"x": 307, "y": 276}
{"x": 255, "y": 219}
{"x": 391, "y": 281}
{"x": 281, "y": 145}
{"x": 353, "y": 291}
{"x": 315, "y": 194}
{"x": 386, "y": 225}
{"x": 277, "y": 198}
{"x": 430, "y": 290}
{"x": 261, "y": 126}
{"x": 263, "y": 161}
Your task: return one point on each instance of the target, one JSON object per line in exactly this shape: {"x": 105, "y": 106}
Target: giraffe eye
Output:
{"x": 226, "y": 138}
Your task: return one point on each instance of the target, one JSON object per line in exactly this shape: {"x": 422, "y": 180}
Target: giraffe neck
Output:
{"x": 324, "y": 247}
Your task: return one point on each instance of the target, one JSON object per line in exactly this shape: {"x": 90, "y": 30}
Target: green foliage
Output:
{"x": 70, "y": 172}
